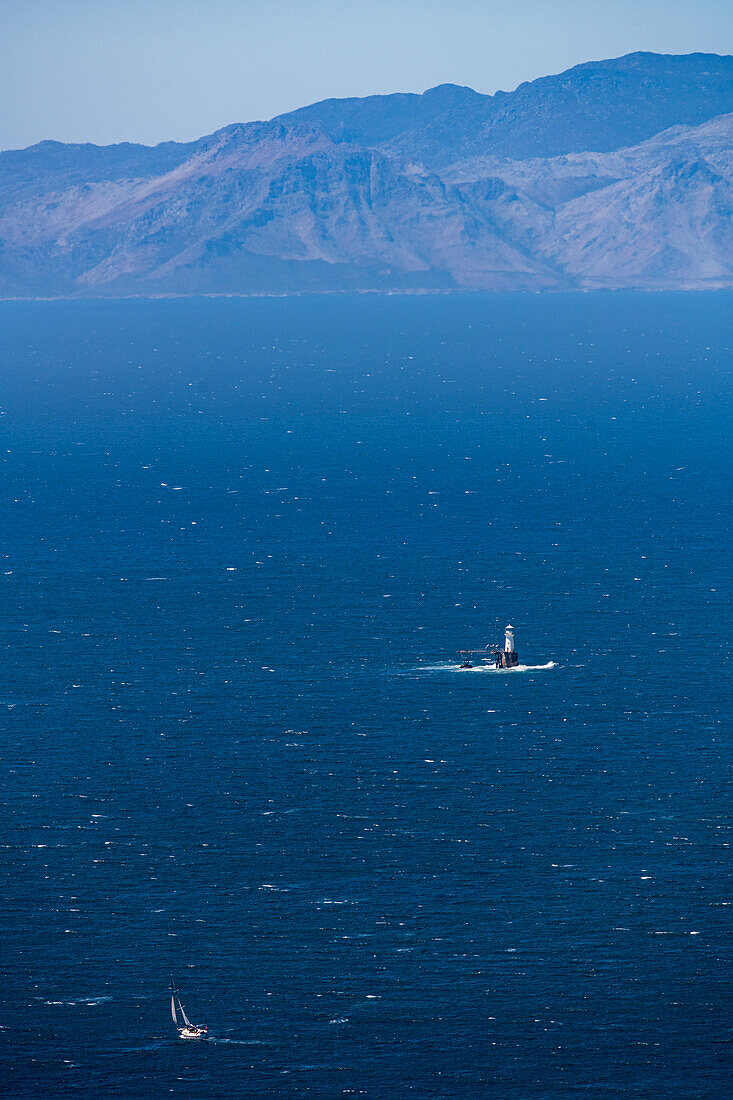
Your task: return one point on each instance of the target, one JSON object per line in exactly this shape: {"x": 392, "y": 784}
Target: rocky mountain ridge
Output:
{"x": 614, "y": 174}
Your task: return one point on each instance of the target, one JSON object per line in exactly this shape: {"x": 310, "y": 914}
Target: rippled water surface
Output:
{"x": 242, "y": 544}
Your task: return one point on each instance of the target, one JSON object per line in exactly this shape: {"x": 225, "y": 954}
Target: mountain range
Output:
{"x": 613, "y": 174}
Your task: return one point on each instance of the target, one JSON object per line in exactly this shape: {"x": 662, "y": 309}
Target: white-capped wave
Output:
{"x": 90, "y": 1001}
{"x": 447, "y": 666}
{"x": 239, "y": 1042}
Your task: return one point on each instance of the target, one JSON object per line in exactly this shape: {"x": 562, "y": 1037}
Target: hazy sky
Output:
{"x": 151, "y": 70}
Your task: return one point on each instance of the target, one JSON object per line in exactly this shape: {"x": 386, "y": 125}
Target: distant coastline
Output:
{"x": 471, "y": 292}
{"x": 614, "y": 175}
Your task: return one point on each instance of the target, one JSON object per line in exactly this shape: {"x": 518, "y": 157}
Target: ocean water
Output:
{"x": 242, "y": 544}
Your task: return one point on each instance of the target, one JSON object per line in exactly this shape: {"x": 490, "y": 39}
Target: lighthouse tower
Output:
{"x": 508, "y": 656}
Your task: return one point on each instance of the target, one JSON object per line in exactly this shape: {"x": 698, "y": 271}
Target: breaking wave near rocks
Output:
{"x": 454, "y": 666}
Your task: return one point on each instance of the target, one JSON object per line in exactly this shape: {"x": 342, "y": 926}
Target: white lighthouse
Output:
{"x": 508, "y": 656}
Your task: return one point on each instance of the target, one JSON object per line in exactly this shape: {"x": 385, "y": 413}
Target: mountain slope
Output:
{"x": 296, "y": 200}
{"x": 675, "y": 216}
{"x": 378, "y": 119}
{"x": 600, "y": 105}
{"x": 398, "y": 192}
{"x": 603, "y": 105}
{"x": 656, "y": 214}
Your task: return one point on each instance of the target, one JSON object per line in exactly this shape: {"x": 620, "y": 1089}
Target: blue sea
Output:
{"x": 243, "y": 541}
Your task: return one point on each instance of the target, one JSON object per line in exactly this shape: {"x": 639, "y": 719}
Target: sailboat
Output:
{"x": 186, "y": 1029}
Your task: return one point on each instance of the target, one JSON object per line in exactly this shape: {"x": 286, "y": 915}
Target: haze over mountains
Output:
{"x": 614, "y": 174}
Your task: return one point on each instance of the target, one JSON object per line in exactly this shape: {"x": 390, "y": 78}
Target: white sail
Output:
{"x": 173, "y": 1010}
{"x": 186, "y": 1020}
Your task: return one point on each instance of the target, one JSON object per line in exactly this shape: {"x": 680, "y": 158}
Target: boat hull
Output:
{"x": 192, "y": 1033}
